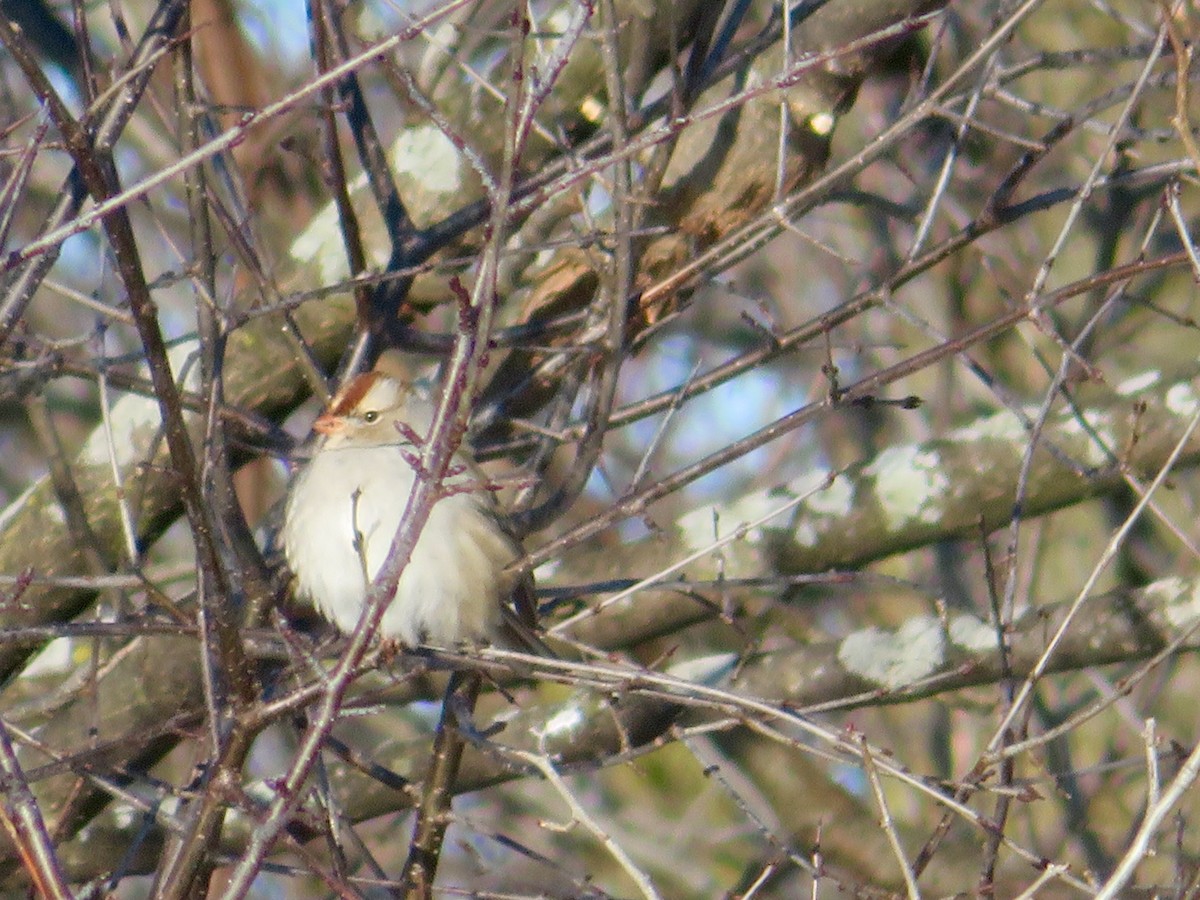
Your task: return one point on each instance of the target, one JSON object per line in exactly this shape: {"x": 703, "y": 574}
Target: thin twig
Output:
{"x": 433, "y": 813}
{"x": 1139, "y": 846}
{"x": 22, "y": 819}
{"x": 1101, "y": 564}
{"x": 886, "y": 822}
{"x": 580, "y": 815}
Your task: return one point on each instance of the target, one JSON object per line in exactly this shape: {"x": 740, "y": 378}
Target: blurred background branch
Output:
{"x": 836, "y": 345}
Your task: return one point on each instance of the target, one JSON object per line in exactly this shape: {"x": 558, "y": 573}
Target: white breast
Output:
{"x": 343, "y": 513}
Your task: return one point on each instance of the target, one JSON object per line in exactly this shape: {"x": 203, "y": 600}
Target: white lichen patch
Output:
{"x": 894, "y": 659}
{"x": 439, "y": 42}
{"x": 558, "y": 21}
{"x": 321, "y": 244}
{"x": 972, "y": 634}
{"x": 423, "y": 158}
{"x": 430, "y": 158}
{"x": 707, "y": 670}
{"x": 828, "y": 504}
{"x": 55, "y": 658}
{"x": 124, "y": 815}
{"x": 753, "y": 507}
{"x": 750, "y": 515}
{"x": 1004, "y": 425}
{"x": 822, "y": 123}
{"x": 1094, "y": 434}
{"x": 134, "y": 419}
{"x": 563, "y": 722}
{"x": 1135, "y": 384}
{"x": 909, "y": 485}
{"x": 547, "y": 47}
{"x": 591, "y": 108}
{"x": 698, "y": 529}
{"x": 1179, "y": 600}
{"x": 263, "y": 791}
{"x": 827, "y": 498}
{"x": 807, "y": 533}
{"x": 1181, "y": 399}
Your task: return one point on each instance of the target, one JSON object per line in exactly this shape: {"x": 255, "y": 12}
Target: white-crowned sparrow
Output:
{"x": 344, "y": 509}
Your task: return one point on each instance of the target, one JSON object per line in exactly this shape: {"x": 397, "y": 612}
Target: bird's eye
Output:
{"x": 370, "y": 416}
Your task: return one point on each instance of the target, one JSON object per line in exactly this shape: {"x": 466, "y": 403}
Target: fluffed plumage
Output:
{"x": 345, "y": 506}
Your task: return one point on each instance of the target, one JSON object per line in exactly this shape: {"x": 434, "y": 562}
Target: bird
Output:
{"x": 344, "y": 508}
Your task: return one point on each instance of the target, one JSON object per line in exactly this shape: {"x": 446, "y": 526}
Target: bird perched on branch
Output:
{"x": 344, "y": 509}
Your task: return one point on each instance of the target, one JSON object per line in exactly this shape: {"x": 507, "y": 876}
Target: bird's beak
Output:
{"x": 329, "y": 424}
